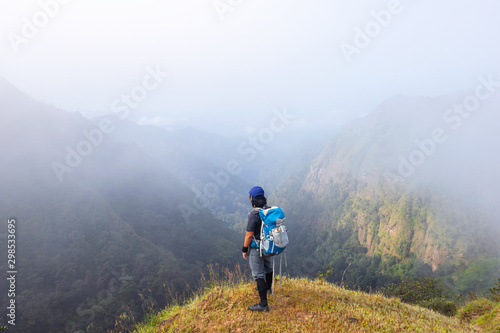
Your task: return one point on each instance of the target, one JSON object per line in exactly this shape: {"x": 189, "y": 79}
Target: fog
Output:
{"x": 237, "y": 62}
{"x": 131, "y": 132}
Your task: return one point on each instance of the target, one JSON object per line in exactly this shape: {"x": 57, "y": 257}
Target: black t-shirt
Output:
{"x": 254, "y": 223}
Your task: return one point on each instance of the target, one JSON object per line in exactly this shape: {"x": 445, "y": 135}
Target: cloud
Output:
{"x": 223, "y": 75}
{"x": 158, "y": 121}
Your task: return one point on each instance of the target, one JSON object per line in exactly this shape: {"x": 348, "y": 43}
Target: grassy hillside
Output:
{"x": 301, "y": 305}
{"x": 483, "y": 312}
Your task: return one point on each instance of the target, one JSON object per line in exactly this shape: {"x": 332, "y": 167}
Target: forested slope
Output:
{"x": 101, "y": 237}
{"x": 355, "y": 205}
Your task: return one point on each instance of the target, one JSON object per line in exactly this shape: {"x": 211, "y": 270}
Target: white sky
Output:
{"x": 227, "y": 75}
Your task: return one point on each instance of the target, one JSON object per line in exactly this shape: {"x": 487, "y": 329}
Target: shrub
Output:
{"x": 490, "y": 322}
{"x": 475, "y": 309}
{"x": 414, "y": 290}
{"x": 427, "y": 292}
{"x": 495, "y": 292}
{"x": 441, "y": 305}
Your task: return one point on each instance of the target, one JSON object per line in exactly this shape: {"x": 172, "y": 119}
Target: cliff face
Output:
{"x": 405, "y": 190}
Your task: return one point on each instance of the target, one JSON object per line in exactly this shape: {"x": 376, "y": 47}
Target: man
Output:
{"x": 261, "y": 267}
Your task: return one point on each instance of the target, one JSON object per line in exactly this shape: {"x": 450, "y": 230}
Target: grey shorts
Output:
{"x": 260, "y": 266}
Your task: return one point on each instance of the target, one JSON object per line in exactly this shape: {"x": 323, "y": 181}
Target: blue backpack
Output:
{"x": 273, "y": 233}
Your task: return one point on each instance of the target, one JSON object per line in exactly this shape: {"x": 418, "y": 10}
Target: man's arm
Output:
{"x": 253, "y": 219}
{"x": 248, "y": 241}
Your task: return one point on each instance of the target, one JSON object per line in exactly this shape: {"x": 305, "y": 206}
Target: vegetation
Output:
{"x": 475, "y": 308}
{"x": 352, "y": 208}
{"x": 490, "y": 321}
{"x": 426, "y": 292}
{"x": 482, "y": 312}
{"x": 495, "y": 291}
{"x": 110, "y": 243}
{"x": 387, "y": 234}
{"x": 301, "y": 305}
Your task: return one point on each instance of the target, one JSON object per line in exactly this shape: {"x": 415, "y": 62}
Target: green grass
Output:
{"x": 301, "y": 305}
{"x": 490, "y": 322}
{"x": 482, "y": 312}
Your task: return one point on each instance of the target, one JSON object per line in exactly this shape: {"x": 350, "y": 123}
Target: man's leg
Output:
{"x": 268, "y": 269}
{"x": 258, "y": 274}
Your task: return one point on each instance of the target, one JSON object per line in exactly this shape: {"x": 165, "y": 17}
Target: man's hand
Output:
{"x": 244, "y": 251}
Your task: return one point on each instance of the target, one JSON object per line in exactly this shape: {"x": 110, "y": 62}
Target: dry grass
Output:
{"x": 301, "y": 305}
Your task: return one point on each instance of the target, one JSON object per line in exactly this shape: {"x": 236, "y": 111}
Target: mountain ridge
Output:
{"x": 116, "y": 211}
{"x": 438, "y": 221}
{"x": 302, "y": 306}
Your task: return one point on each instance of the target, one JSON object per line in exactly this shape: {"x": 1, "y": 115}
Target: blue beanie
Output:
{"x": 256, "y": 191}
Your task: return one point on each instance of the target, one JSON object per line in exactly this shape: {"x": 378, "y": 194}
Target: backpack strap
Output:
{"x": 255, "y": 239}
{"x": 272, "y": 289}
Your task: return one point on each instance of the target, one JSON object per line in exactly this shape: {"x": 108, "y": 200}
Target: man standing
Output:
{"x": 261, "y": 267}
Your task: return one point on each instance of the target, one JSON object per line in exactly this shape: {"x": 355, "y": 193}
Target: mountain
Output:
{"x": 220, "y": 170}
{"x": 115, "y": 218}
{"x": 99, "y": 225}
{"x": 199, "y": 160}
{"x": 402, "y": 190}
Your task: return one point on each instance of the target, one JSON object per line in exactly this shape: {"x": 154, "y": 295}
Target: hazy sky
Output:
{"x": 231, "y": 61}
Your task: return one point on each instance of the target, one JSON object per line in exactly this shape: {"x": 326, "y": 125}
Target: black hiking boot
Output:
{"x": 258, "y": 307}
{"x": 262, "y": 288}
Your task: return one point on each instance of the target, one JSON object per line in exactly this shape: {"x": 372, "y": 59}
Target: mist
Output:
{"x": 131, "y": 133}
{"x": 240, "y": 63}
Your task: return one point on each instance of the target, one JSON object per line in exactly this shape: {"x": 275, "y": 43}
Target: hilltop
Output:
{"x": 301, "y": 305}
